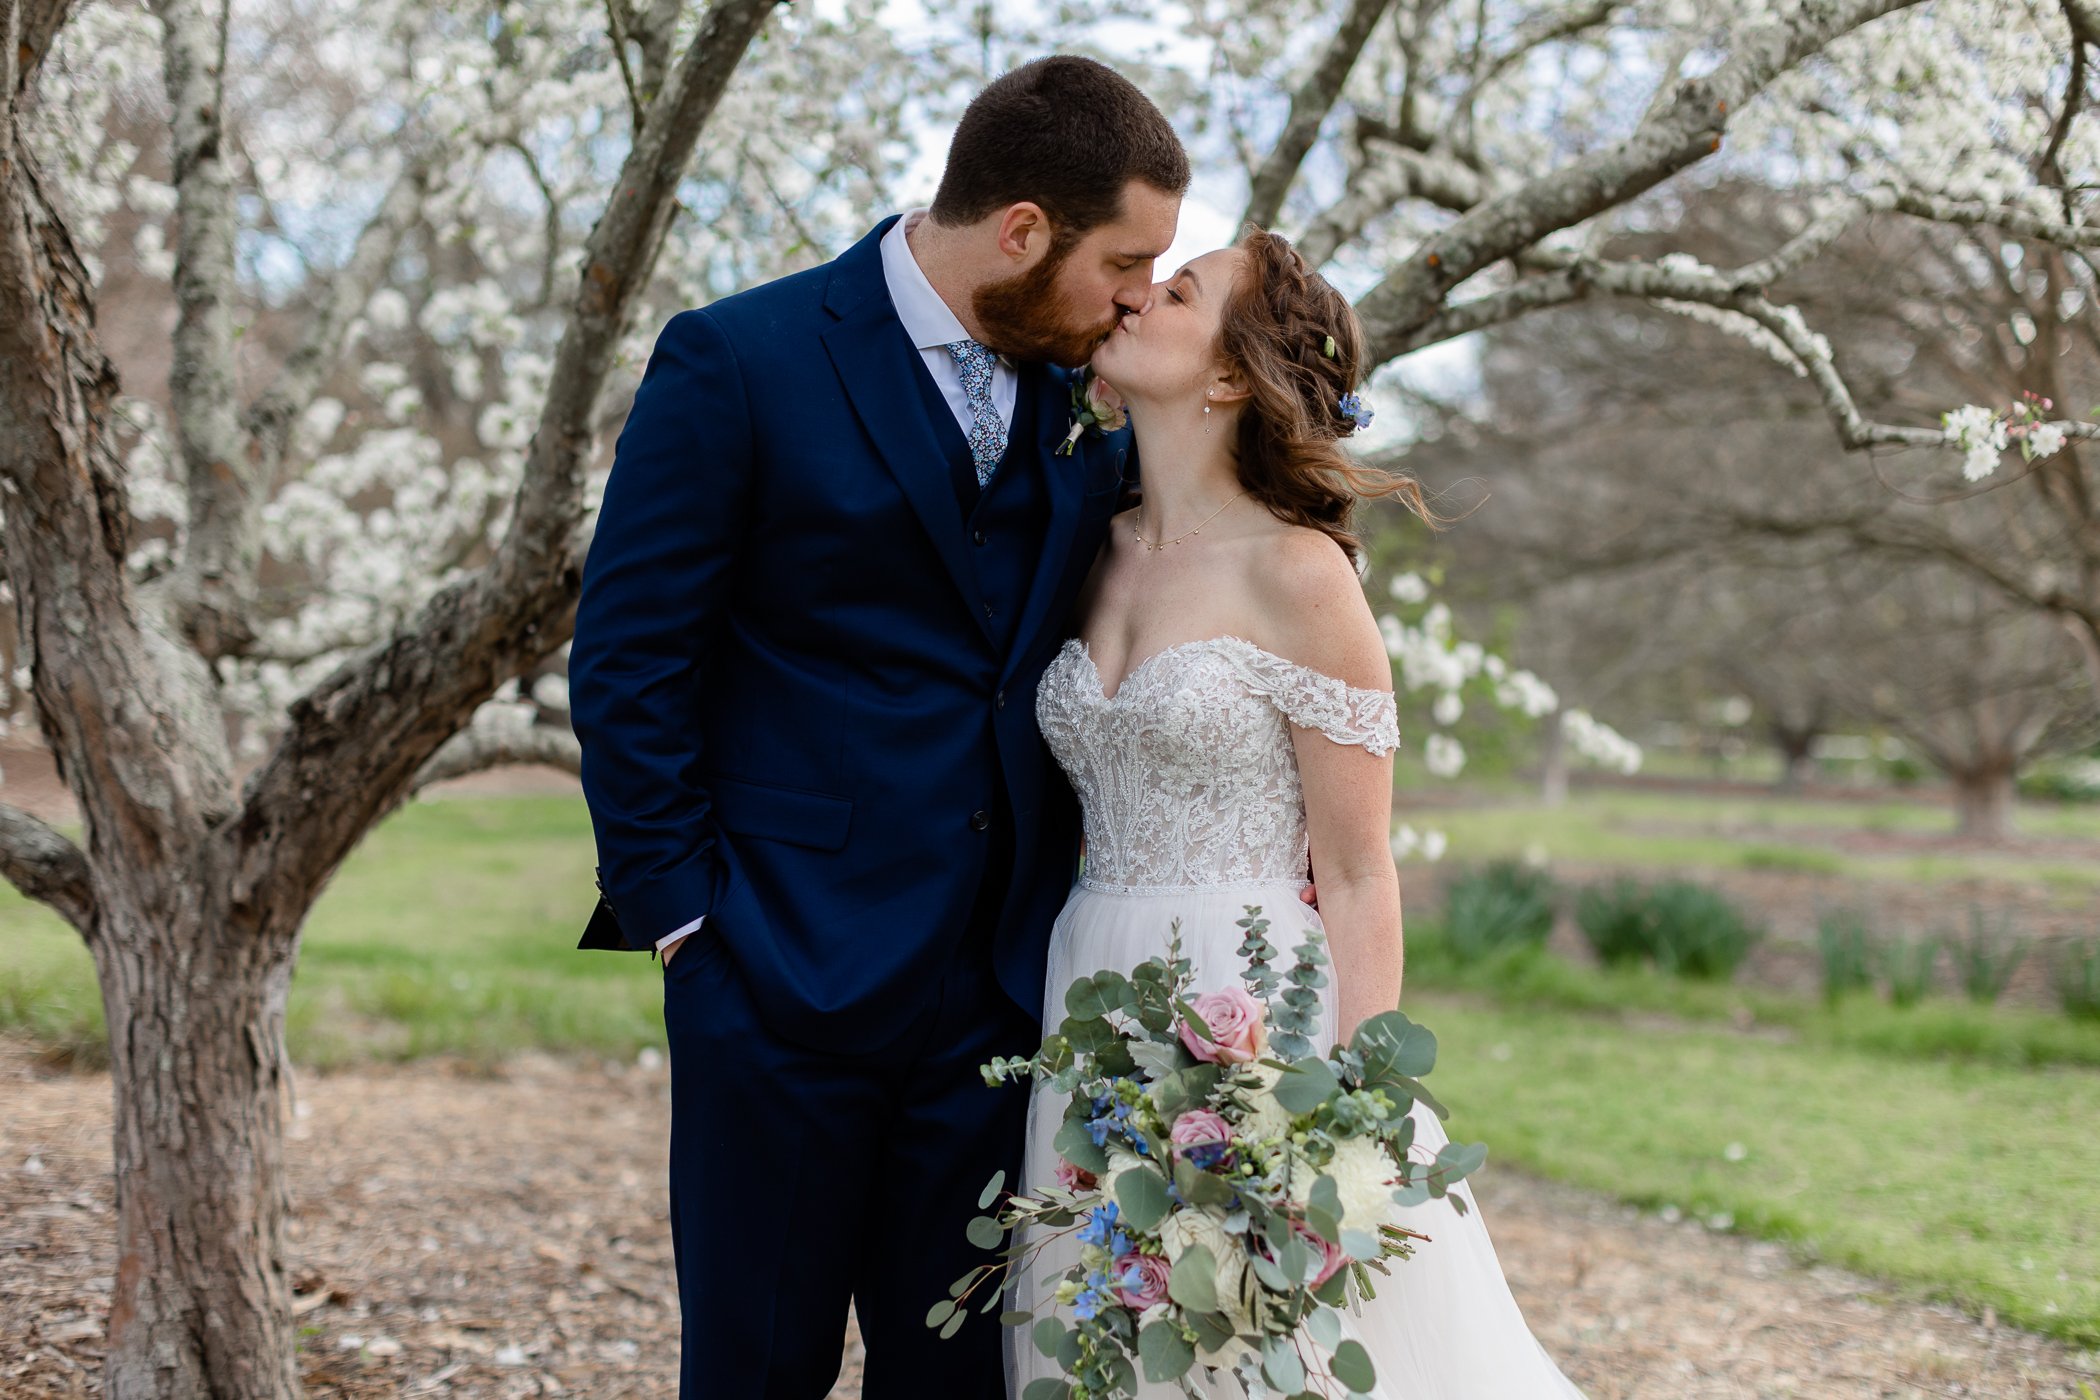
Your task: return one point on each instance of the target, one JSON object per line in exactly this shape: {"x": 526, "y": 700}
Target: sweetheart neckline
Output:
{"x": 1124, "y": 684}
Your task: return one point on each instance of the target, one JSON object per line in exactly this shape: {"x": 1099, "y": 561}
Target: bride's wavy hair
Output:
{"x": 1274, "y": 332}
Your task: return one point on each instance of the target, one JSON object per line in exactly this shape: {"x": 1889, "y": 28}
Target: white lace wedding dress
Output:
{"x": 1193, "y": 810}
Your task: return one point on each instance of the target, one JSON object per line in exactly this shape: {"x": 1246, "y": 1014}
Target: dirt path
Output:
{"x": 504, "y": 1236}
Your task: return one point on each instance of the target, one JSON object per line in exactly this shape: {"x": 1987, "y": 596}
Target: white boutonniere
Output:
{"x": 1096, "y": 405}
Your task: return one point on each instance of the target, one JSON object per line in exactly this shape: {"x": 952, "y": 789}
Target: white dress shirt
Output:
{"x": 932, "y": 327}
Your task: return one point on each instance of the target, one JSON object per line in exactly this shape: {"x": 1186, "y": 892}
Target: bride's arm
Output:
{"x": 1326, "y": 626}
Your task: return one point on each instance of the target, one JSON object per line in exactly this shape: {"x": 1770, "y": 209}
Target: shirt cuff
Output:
{"x": 674, "y": 935}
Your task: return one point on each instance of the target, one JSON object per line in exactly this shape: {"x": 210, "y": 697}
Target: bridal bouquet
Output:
{"x": 1228, "y": 1188}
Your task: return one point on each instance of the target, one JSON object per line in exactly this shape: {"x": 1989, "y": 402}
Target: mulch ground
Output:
{"x": 503, "y": 1235}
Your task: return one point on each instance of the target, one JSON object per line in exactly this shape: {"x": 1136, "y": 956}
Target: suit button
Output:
{"x": 987, "y": 609}
{"x": 980, "y": 820}
{"x": 977, "y": 537}
{"x": 999, "y": 701}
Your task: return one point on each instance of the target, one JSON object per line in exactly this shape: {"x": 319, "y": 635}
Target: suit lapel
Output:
{"x": 1063, "y": 482}
{"x": 873, "y": 358}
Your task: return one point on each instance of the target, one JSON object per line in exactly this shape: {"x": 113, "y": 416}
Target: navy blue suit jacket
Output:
{"x": 787, "y": 695}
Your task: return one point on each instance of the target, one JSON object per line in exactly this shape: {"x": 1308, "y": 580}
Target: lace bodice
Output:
{"x": 1186, "y": 776}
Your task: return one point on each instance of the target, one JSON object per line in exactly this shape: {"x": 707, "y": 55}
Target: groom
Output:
{"x": 837, "y": 549}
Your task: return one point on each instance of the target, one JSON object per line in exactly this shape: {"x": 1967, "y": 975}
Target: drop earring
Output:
{"x": 1206, "y": 410}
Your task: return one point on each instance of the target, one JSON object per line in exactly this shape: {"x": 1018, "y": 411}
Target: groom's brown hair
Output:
{"x": 1063, "y": 132}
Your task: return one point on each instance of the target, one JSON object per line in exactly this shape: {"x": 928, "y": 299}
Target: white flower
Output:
{"x": 1448, "y": 708}
{"x": 1408, "y": 587}
{"x": 1189, "y": 1227}
{"x": 2044, "y": 440}
{"x": 1981, "y": 433}
{"x": 1363, "y": 1176}
{"x": 1443, "y": 755}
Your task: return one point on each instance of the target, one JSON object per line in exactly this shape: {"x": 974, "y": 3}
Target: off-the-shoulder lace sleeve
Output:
{"x": 1345, "y": 713}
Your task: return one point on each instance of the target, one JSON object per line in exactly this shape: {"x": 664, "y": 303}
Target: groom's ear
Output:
{"x": 1022, "y": 227}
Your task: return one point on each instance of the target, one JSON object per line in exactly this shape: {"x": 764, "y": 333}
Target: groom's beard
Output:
{"x": 1024, "y": 316}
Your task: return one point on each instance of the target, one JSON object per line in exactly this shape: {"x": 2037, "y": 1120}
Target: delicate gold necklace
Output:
{"x": 1140, "y": 534}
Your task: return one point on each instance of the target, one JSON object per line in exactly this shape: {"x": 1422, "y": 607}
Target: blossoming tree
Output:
{"x": 140, "y": 583}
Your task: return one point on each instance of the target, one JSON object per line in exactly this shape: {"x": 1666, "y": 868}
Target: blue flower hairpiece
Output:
{"x": 1356, "y": 409}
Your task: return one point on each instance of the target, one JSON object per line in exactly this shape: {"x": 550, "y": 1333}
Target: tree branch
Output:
{"x": 1310, "y": 105}
{"x": 476, "y": 751}
{"x": 220, "y": 549}
{"x": 356, "y": 742}
{"x": 40, "y": 862}
{"x": 1678, "y": 133}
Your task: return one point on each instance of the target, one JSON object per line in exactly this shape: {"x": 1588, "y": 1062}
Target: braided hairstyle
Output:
{"x": 1276, "y": 328}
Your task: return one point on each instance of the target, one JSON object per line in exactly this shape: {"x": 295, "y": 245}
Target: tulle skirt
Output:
{"x": 1443, "y": 1325}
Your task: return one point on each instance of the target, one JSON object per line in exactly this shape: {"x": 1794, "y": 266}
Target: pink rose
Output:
{"x": 1074, "y": 1178}
{"x": 1202, "y": 1136}
{"x": 1238, "y": 1033}
{"x": 1106, "y": 404}
{"x": 1141, "y": 1280}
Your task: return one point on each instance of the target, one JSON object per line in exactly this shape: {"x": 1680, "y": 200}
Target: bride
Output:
{"x": 1226, "y": 710}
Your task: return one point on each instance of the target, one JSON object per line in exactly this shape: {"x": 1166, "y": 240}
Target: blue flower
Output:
{"x": 1119, "y": 1243}
{"x": 1097, "y": 1129}
{"x": 1100, "y": 1222}
{"x": 1354, "y": 406}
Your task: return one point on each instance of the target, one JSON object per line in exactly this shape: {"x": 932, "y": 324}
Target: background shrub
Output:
{"x": 1496, "y": 907}
{"x": 1847, "y": 947}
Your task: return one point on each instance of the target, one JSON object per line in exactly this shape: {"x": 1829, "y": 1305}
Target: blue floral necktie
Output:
{"x": 987, "y": 433}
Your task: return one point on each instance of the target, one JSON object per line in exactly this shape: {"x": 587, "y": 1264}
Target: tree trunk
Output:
{"x": 1553, "y": 759}
{"x": 202, "y": 1303}
{"x": 1983, "y": 799}
{"x": 1795, "y": 761}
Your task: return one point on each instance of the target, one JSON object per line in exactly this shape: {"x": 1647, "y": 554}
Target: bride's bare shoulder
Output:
{"x": 1313, "y": 606}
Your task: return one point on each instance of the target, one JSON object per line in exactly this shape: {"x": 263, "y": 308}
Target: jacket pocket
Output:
{"x": 814, "y": 819}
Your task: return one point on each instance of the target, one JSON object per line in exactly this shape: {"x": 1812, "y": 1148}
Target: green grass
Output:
{"x": 451, "y": 930}
{"x": 1936, "y": 1028}
{"x": 1643, "y": 831}
{"x": 1921, "y": 1145}
{"x": 1969, "y": 1182}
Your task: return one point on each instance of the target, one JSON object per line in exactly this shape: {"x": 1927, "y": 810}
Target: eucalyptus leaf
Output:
{"x": 1296, "y": 1259}
{"x": 1213, "y": 1329}
{"x": 1048, "y": 1333}
{"x": 1458, "y": 1160}
{"x": 991, "y": 1189}
{"x": 1392, "y": 1045}
{"x": 1360, "y": 1244}
{"x": 1141, "y": 1193}
{"x": 1015, "y": 1318}
{"x": 1047, "y": 1388}
{"x": 984, "y": 1232}
{"x": 954, "y": 1324}
{"x": 1281, "y": 1364}
{"x": 940, "y": 1312}
{"x": 1166, "y": 1354}
{"x": 1323, "y": 1209}
{"x": 1352, "y": 1367}
{"x": 1076, "y": 1145}
{"x": 1193, "y": 1282}
{"x": 1324, "y": 1325}
{"x": 1306, "y": 1085}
